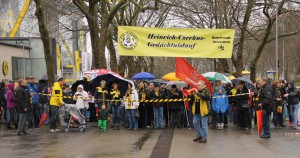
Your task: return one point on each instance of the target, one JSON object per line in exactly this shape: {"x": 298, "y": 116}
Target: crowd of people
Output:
{"x": 24, "y": 102}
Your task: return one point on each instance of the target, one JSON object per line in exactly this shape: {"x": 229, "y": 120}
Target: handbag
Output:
{"x": 137, "y": 114}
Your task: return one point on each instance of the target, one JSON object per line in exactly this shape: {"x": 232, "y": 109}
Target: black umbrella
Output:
{"x": 248, "y": 82}
{"x": 159, "y": 81}
{"x": 110, "y": 79}
{"x": 86, "y": 86}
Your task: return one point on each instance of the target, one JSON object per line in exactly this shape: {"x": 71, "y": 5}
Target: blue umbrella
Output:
{"x": 143, "y": 76}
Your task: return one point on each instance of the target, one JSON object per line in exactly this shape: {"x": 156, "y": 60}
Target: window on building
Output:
{"x": 19, "y": 69}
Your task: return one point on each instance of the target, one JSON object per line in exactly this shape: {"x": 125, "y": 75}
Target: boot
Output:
{"x": 218, "y": 126}
{"x": 222, "y": 126}
{"x": 16, "y": 125}
{"x": 115, "y": 127}
{"x": 8, "y": 126}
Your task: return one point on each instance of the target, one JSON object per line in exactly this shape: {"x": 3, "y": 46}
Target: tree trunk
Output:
{"x": 239, "y": 66}
{"x": 103, "y": 33}
{"x": 112, "y": 52}
{"x": 39, "y": 13}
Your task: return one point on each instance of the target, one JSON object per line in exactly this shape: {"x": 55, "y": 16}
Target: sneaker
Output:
{"x": 24, "y": 132}
{"x": 197, "y": 139}
{"x": 189, "y": 128}
{"x": 298, "y": 124}
{"x": 148, "y": 127}
{"x": 265, "y": 136}
{"x": 290, "y": 123}
{"x": 19, "y": 133}
{"x": 57, "y": 130}
{"x": 135, "y": 129}
{"x": 203, "y": 140}
{"x": 52, "y": 131}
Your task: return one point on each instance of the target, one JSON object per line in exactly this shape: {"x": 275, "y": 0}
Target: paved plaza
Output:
{"x": 177, "y": 143}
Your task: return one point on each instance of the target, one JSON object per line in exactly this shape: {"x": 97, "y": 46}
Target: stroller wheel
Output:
{"x": 66, "y": 129}
{"x": 82, "y": 129}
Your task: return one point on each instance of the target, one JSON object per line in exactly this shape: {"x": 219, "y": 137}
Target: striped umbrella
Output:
{"x": 213, "y": 76}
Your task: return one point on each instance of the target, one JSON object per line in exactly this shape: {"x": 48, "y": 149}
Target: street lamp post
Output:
{"x": 277, "y": 76}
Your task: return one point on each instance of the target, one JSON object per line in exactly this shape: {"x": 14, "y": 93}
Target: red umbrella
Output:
{"x": 43, "y": 119}
{"x": 260, "y": 120}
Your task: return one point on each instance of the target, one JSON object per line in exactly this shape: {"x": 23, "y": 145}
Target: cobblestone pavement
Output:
{"x": 232, "y": 143}
{"x": 228, "y": 143}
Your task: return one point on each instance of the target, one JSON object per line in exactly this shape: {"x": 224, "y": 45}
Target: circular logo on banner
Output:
{"x": 5, "y": 68}
{"x": 128, "y": 40}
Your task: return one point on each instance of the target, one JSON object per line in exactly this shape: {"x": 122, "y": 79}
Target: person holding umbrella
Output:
{"x": 266, "y": 103}
{"x": 115, "y": 106}
{"x": 243, "y": 106}
{"x": 101, "y": 95}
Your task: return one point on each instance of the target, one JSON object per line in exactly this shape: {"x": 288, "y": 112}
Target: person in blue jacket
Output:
{"x": 220, "y": 105}
{"x": 33, "y": 109}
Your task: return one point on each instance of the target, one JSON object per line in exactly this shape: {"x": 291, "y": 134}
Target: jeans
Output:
{"x": 33, "y": 116}
{"x": 53, "y": 116}
{"x": 201, "y": 121}
{"x": 116, "y": 114}
{"x": 123, "y": 116}
{"x": 158, "y": 116}
{"x": 133, "y": 122}
{"x": 5, "y": 112}
{"x": 22, "y": 123}
{"x": 266, "y": 124}
{"x": 83, "y": 112}
{"x": 13, "y": 116}
{"x": 294, "y": 114}
{"x": 220, "y": 117}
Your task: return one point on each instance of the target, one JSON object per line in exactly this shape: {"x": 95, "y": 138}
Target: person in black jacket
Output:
{"x": 3, "y": 90}
{"x": 143, "y": 93}
{"x": 175, "y": 107}
{"x": 293, "y": 101}
{"x": 266, "y": 103}
{"x": 158, "y": 109}
{"x": 242, "y": 106}
{"x": 23, "y": 101}
{"x": 101, "y": 95}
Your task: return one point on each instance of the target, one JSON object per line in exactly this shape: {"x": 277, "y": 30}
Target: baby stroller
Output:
{"x": 68, "y": 113}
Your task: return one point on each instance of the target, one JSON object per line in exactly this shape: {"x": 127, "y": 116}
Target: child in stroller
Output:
{"x": 69, "y": 113}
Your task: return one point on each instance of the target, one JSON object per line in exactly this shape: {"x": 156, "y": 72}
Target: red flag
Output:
{"x": 188, "y": 74}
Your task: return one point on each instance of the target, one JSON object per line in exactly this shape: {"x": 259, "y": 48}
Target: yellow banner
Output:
{"x": 175, "y": 42}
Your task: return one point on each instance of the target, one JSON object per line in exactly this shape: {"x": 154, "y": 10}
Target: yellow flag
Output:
{"x": 175, "y": 42}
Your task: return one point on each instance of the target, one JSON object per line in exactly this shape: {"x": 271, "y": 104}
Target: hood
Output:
{"x": 223, "y": 90}
{"x": 80, "y": 86}
{"x": 11, "y": 86}
{"x": 56, "y": 84}
{"x": 292, "y": 83}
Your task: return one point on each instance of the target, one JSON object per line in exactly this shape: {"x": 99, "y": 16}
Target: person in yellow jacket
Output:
{"x": 201, "y": 104}
{"x": 56, "y": 101}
